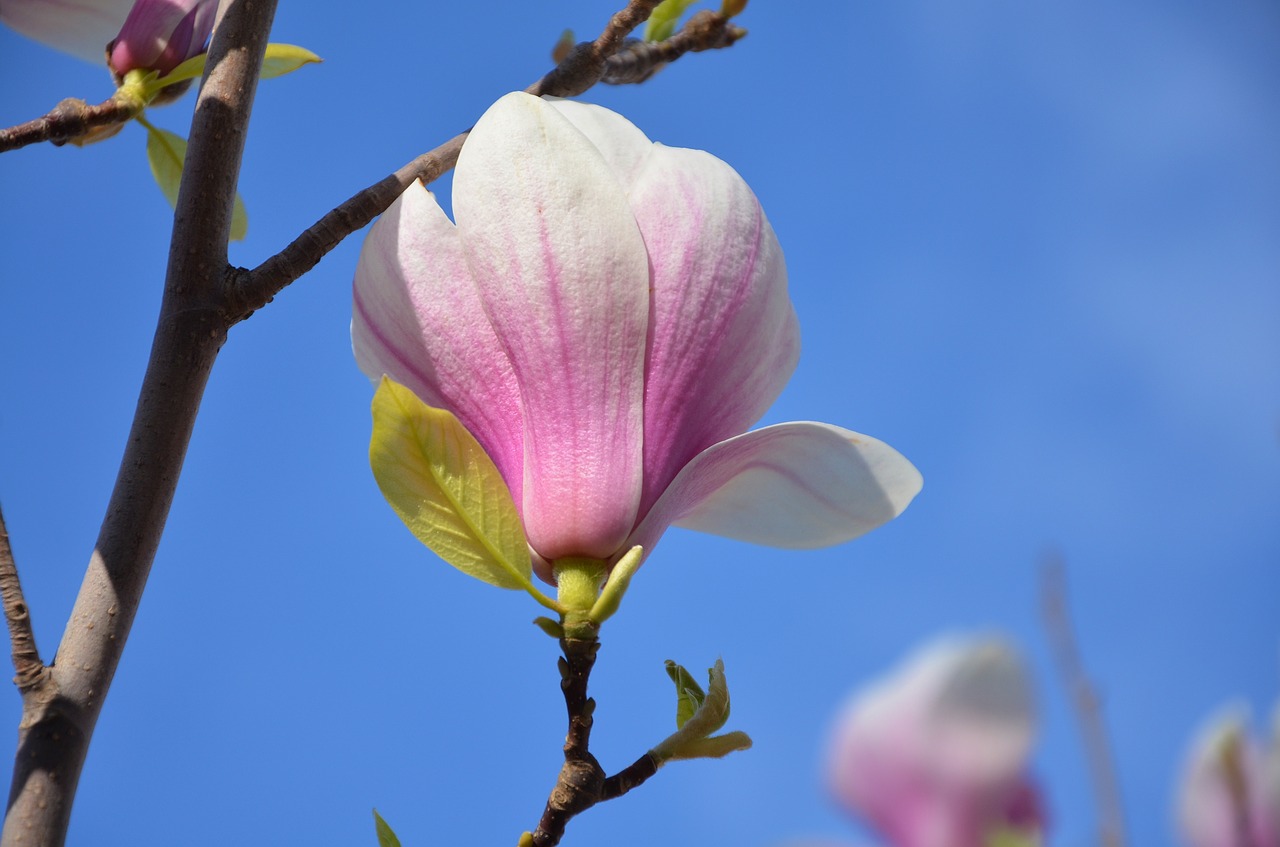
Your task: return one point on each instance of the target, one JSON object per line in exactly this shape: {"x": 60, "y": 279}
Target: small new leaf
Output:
{"x": 166, "y": 153}
{"x": 386, "y": 837}
{"x": 689, "y": 695}
{"x": 281, "y": 59}
{"x": 693, "y": 739}
{"x": 447, "y": 490}
{"x": 731, "y": 8}
{"x": 662, "y": 23}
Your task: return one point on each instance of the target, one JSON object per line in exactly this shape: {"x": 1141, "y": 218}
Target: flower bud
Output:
{"x": 159, "y": 35}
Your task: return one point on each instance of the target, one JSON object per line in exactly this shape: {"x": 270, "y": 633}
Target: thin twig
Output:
{"x": 1085, "y": 704}
{"x": 26, "y": 659}
{"x": 71, "y": 120}
{"x": 609, "y": 56}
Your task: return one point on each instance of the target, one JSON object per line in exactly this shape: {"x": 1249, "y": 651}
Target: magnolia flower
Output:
{"x": 607, "y": 318}
{"x": 936, "y": 755}
{"x": 1230, "y": 793}
{"x": 159, "y": 35}
{"x": 152, "y": 34}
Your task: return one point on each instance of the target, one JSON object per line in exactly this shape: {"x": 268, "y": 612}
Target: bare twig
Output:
{"x": 582, "y": 782}
{"x": 609, "y": 56}
{"x": 193, "y": 323}
{"x": 1085, "y": 704}
{"x": 71, "y": 120}
{"x": 26, "y": 659}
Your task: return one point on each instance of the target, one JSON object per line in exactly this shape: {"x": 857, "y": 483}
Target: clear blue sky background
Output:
{"x": 1036, "y": 247}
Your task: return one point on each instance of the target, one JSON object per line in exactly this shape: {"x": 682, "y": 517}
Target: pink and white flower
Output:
{"x": 1230, "y": 794}
{"x": 936, "y": 754}
{"x": 607, "y": 318}
{"x": 151, "y": 34}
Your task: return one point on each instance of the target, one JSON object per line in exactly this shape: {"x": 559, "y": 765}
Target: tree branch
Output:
{"x": 26, "y": 659}
{"x": 71, "y": 120}
{"x": 608, "y": 58}
{"x": 193, "y": 324}
{"x": 1085, "y": 704}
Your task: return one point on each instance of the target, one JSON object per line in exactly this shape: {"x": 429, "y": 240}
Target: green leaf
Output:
{"x": 166, "y": 152}
{"x": 689, "y": 694}
{"x": 715, "y": 747}
{"x": 386, "y": 837}
{"x": 446, "y": 489}
{"x": 662, "y": 23}
{"x": 192, "y": 68}
{"x": 281, "y": 59}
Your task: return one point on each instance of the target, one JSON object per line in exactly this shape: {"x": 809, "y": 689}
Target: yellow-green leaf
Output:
{"x": 386, "y": 836}
{"x": 446, "y": 489}
{"x": 166, "y": 152}
{"x": 662, "y": 23}
{"x": 281, "y": 59}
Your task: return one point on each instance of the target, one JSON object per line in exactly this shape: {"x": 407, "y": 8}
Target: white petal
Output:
{"x": 797, "y": 485}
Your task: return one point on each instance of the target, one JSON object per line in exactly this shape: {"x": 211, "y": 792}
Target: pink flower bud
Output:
{"x": 935, "y": 755}
{"x": 162, "y": 34}
{"x": 1230, "y": 793}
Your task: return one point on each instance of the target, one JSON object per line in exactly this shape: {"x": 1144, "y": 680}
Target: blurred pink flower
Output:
{"x": 607, "y": 318}
{"x": 936, "y": 754}
{"x": 1230, "y": 793}
{"x": 159, "y": 35}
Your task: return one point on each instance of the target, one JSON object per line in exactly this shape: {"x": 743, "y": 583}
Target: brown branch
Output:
{"x": 632, "y": 776}
{"x": 609, "y": 57}
{"x": 1085, "y": 704}
{"x": 55, "y": 733}
{"x": 579, "y": 784}
{"x": 26, "y": 659}
{"x": 71, "y": 120}
{"x": 639, "y": 60}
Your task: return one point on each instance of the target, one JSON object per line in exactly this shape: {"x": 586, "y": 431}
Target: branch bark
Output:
{"x": 59, "y": 716}
{"x": 26, "y": 659}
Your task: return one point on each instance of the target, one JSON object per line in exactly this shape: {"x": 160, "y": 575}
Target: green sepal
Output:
{"x": 386, "y": 836}
{"x": 281, "y": 59}
{"x": 663, "y": 20}
{"x": 166, "y": 153}
{"x": 616, "y": 585}
{"x": 447, "y": 490}
{"x": 550, "y": 627}
{"x": 689, "y": 694}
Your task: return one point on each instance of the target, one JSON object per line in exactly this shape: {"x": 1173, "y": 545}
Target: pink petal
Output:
{"x": 79, "y": 27}
{"x": 1227, "y": 772}
{"x": 564, "y": 278}
{"x": 161, "y": 34}
{"x": 797, "y": 485}
{"x": 723, "y": 336}
{"x": 417, "y": 317}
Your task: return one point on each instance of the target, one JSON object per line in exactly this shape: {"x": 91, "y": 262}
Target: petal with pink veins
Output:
{"x": 417, "y": 318}
{"x": 564, "y": 277}
{"x": 795, "y": 485}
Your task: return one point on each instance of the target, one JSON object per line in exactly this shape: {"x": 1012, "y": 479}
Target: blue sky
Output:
{"x": 1032, "y": 246}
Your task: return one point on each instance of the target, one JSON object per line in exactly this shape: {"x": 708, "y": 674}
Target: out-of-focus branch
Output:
{"x": 26, "y": 659}
{"x": 610, "y": 58}
{"x": 70, "y": 120}
{"x": 1085, "y": 703}
{"x": 55, "y": 732}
